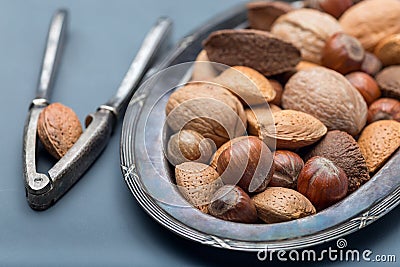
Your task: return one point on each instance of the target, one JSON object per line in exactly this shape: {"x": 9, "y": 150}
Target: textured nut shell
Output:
{"x": 262, "y": 14}
{"x": 257, "y": 116}
{"x": 58, "y": 129}
{"x": 278, "y": 204}
{"x": 203, "y": 69}
{"x": 378, "y": 142}
{"x": 303, "y": 65}
{"x": 248, "y": 84}
{"x": 388, "y": 50}
{"x": 372, "y": 20}
{"x": 256, "y": 49}
{"x": 328, "y": 96}
{"x": 197, "y": 182}
{"x": 294, "y": 129}
{"x": 308, "y": 30}
{"x": 389, "y": 81}
{"x": 343, "y": 150}
{"x": 208, "y": 109}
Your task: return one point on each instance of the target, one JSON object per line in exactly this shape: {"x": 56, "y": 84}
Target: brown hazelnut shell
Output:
{"x": 322, "y": 182}
{"x": 384, "y": 109}
{"x": 231, "y": 203}
{"x": 343, "y": 150}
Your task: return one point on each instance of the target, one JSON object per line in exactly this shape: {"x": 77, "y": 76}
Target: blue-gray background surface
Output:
{"x": 98, "y": 223}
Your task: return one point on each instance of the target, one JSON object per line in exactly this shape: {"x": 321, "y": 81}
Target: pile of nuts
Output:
{"x": 330, "y": 72}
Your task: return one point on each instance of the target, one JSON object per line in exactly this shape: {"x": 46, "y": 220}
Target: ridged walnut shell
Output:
{"x": 328, "y": 96}
{"x": 378, "y": 142}
{"x": 294, "y": 129}
{"x": 371, "y": 21}
{"x": 58, "y": 129}
{"x": 208, "y": 109}
{"x": 248, "y": 84}
{"x": 278, "y": 204}
{"x": 308, "y": 30}
{"x": 197, "y": 182}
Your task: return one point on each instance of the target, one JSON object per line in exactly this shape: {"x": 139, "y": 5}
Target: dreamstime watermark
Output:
{"x": 338, "y": 253}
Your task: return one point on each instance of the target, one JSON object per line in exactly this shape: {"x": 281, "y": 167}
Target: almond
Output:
{"x": 203, "y": 69}
{"x": 328, "y": 96}
{"x": 378, "y": 142}
{"x": 294, "y": 129}
{"x": 256, "y": 49}
{"x": 197, "y": 182}
{"x": 248, "y": 84}
{"x": 58, "y": 129}
{"x": 278, "y": 204}
{"x": 260, "y": 115}
{"x": 388, "y": 50}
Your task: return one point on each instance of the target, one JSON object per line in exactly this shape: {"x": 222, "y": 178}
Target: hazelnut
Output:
{"x": 366, "y": 85}
{"x": 287, "y": 167}
{"x": 384, "y": 109}
{"x": 389, "y": 81}
{"x": 343, "y": 150}
{"x": 343, "y": 53}
{"x": 247, "y": 163}
{"x": 188, "y": 145}
{"x": 231, "y": 203}
{"x": 371, "y": 64}
{"x": 322, "y": 182}
{"x": 333, "y": 7}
